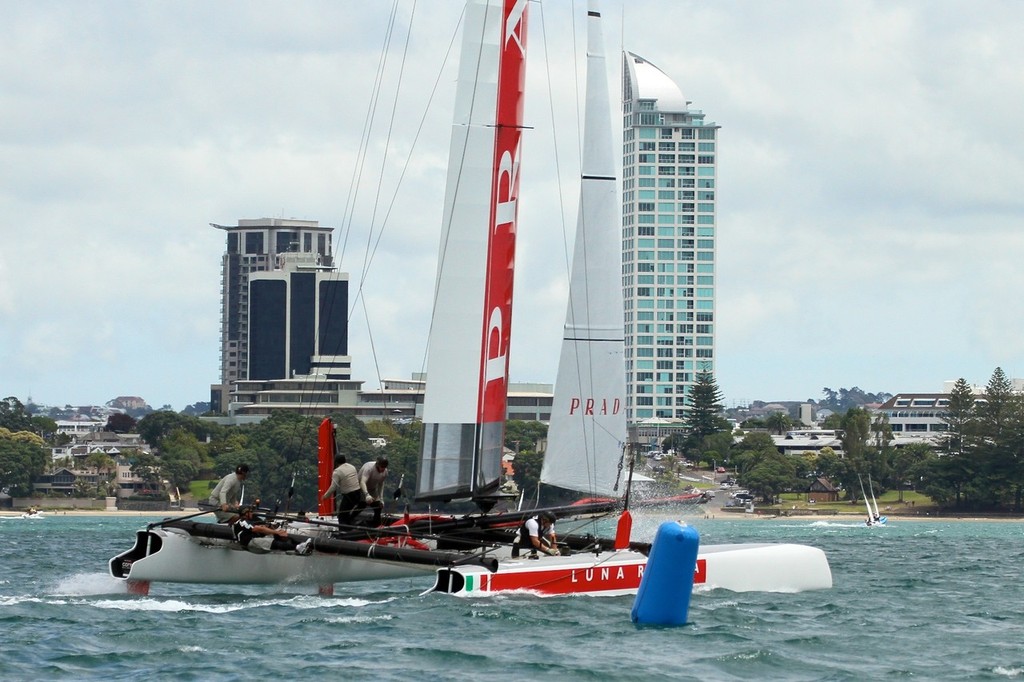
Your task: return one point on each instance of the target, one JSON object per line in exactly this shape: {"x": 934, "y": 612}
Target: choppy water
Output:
{"x": 921, "y": 600}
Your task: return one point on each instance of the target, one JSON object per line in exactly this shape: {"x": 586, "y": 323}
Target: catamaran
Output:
{"x": 465, "y": 401}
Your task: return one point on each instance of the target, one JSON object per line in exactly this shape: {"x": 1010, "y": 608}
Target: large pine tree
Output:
{"x": 705, "y": 406}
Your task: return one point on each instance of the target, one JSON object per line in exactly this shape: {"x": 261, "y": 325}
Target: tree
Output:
{"x": 771, "y": 474}
{"x": 778, "y": 422}
{"x": 154, "y": 427}
{"x": 860, "y": 457}
{"x": 1001, "y": 420}
{"x": 182, "y": 456}
{"x": 147, "y": 467}
{"x": 715, "y": 448}
{"x": 705, "y": 406}
{"x": 13, "y": 416}
{"x": 960, "y": 417}
{"x": 120, "y": 423}
{"x": 909, "y": 462}
{"x": 23, "y": 456}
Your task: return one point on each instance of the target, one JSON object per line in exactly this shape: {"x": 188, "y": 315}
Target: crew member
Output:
{"x": 348, "y": 496}
{"x": 537, "y": 534}
{"x": 259, "y": 538}
{"x": 371, "y": 485}
{"x": 228, "y": 492}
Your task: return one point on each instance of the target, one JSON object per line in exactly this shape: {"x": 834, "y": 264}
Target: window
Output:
{"x": 705, "y": 159}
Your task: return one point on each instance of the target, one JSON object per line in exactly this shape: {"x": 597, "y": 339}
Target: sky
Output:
{"x": 870, "y": 203}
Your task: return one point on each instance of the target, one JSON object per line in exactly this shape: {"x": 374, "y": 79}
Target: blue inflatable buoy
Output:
{"x": 665, "y": 589}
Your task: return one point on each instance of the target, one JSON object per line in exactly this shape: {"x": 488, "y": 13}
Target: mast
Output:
{"x": 467, "y": 361}
{"x": 588, "y": 416}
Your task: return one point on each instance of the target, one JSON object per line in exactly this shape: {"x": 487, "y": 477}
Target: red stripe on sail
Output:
{"x": 503, "y": 214}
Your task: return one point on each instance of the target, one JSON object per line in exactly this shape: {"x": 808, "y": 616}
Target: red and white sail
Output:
{"x": 467, "y": 361}
{"x": 588, "y": 417}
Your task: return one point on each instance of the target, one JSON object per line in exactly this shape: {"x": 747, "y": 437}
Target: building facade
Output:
{"x": 668, "y": 242}
{"x": 283, "y": 306}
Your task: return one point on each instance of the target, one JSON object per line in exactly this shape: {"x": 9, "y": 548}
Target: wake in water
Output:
{"x": 833, "y": 524}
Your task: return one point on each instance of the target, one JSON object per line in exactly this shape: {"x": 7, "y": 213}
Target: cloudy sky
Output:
{"x": 871, "y": 181}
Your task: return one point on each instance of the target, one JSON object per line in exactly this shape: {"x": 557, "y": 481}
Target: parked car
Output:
{"x": 720, "y": 470}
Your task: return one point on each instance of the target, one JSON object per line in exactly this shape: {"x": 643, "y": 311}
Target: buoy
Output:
{"x": 665, "y": 589}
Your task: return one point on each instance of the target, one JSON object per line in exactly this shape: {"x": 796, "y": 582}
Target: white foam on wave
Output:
{"x": 833, "y": 524}
{"x": 171, "y": 605}
{"x": 191, "y": 649}
{"x": 1008, "y": 672}
{"x": 360, "y": 619}
{"x": 87, "y": 584}
{"x": 166, "y": 605}
{"x": 24, "y": 599}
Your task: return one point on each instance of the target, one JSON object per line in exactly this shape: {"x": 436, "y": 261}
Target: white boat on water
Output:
{"x": 874, "y": 518}
{"x": 464, "y": 414}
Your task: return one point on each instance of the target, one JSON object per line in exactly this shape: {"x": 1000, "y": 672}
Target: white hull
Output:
{"x": 182, "y": 558}
{"x": 737, "y": 567}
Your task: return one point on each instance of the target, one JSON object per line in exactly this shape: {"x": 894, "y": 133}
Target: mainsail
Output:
{"x": 588, "y": 417}
{"x": 467, "y": 360}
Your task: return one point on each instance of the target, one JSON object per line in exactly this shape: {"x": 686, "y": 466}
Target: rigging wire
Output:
{"x": 394, "y": 197}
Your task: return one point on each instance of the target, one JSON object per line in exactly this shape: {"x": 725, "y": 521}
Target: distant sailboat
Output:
{"x": 874, "y": 518}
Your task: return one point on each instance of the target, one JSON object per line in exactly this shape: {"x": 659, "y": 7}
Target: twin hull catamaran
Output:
{"x": 464, "y": 405}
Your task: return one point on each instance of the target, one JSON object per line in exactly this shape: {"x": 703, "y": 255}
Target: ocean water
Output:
{"x": 917, "y": 599}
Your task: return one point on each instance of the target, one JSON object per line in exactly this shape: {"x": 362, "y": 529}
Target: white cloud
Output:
{"x": 870, "y": 166}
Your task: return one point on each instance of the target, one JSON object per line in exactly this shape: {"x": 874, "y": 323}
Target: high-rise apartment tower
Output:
{"x": 283, "y": 305}
{"x": 668, "y": 242}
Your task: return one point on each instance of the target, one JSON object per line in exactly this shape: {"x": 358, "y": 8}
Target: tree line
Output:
{"x": 978, "y": 466}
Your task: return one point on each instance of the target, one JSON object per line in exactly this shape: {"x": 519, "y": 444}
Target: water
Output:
{"x": 916, "y": 599}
